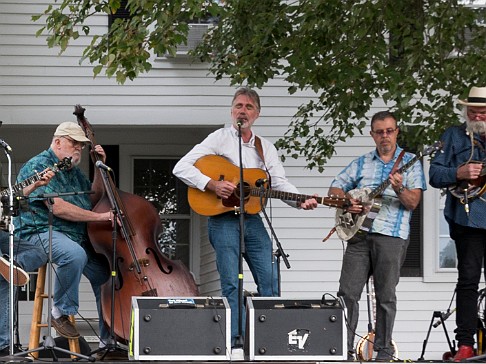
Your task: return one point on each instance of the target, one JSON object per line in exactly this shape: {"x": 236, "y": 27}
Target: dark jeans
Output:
{"x": 383, "y": 256}
{"x": 30, "y": 257}
{"x": 471, "y": 253}
{"x": 225, "y": 239}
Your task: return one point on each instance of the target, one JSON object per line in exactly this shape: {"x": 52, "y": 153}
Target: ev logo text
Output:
{"x": 298, "y": 338}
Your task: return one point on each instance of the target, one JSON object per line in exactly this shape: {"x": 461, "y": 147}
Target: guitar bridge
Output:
{"x": 347, "y": 220}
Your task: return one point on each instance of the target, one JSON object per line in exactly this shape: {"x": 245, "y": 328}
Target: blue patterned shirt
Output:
{"x": 370, "y": 171}
{"x": 456, "y": 150}
{"x": 73, "y": 180}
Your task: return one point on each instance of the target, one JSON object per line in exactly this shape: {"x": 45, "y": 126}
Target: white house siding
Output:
{"x": 38, "y": 89}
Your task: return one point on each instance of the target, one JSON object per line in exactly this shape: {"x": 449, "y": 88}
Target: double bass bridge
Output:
{"x": 150, "y": 293}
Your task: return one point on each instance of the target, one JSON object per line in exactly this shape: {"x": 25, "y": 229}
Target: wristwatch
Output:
{"x": 400, "y": 190}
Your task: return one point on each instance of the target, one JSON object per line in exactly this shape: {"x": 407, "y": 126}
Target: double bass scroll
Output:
{"x": 139, "y": 267}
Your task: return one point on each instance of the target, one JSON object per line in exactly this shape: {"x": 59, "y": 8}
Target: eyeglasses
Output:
{"x": 474, "y": 113}
{"x": 75, "y": 143}
{"x": 385, "y": 131}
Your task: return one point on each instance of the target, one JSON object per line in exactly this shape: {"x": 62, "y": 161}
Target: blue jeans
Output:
{"x": 382, "y": 256}
{"x": 30, "y": 257}
{"x": 72, "y": 260}
{"x": 471, "y": 253}
{"x": 224, "y": 237}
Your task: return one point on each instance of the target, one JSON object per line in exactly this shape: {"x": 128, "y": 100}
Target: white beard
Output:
{"x": 477, "y": 126}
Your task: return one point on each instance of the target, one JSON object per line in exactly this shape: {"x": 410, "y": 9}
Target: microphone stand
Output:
{"x": 49, "y": 342}
{"x": 441, "y": 321}
{"x": 239, "y": 339}
{"x": 11, "y": 357}
{"x": 279, "y": 252}
{"x": 111, "y": 345}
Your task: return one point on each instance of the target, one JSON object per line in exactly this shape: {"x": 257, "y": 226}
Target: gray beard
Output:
{"x": 477, "y": 126}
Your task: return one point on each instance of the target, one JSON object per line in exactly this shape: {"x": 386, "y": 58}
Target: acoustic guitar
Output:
{"x": 255, "y": 185}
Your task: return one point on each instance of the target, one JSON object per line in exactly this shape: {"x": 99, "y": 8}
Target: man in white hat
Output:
{"x": 72, "y": 252}
{"x": 461, "y": 169}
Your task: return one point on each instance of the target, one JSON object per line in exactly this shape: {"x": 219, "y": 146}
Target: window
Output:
{"x": 153, "y": 180}
{"x": 447, "y": 249}
{"x": 121, "y": 13}
{"x": 412, "y": 266}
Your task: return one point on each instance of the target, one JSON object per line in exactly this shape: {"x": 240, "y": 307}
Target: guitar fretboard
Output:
{"x": 290, "y": 196}
{"x": 428, "y": 151}
{"x": 26, "y": 182}
{"x": 382, "y": 187}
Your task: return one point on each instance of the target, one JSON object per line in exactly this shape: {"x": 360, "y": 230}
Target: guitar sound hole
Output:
{"x": 246, "y": 189}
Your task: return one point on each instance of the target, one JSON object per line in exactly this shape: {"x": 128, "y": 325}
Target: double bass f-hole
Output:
{"x": 139, "y": 267}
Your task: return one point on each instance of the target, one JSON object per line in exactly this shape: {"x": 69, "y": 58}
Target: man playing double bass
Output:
{"x": 71, "y": 249}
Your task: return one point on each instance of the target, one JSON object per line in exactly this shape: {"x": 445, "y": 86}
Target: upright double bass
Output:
{"x": 138, "y": 266}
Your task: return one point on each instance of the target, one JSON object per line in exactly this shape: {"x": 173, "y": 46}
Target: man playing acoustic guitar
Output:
{"x": 460, "y": 169}
{"x": 224, "y": 228}
{"x": 380, "y": 251}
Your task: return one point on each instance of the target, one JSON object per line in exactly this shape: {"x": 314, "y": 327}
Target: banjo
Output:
{"x": 365, "y": 345}
{"x": 65, "y": 163}
{"x": 348, "y": 224}
{"x": 470, "y": 189}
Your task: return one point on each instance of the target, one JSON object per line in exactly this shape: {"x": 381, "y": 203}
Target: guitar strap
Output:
{"x": 397, "y": 162}
{"x": 259, "y": 148}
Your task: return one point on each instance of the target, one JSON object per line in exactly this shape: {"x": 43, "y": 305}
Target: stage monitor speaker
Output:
{"x": 295, "y": 329}
{"x": 180, "y": 328}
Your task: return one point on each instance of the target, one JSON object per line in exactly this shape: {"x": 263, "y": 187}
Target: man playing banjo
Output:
{"x": 381, "y": 250}
{"x": 460, "y": 169}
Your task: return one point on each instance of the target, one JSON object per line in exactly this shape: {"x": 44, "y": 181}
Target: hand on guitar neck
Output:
{"x": 356, "y": 205}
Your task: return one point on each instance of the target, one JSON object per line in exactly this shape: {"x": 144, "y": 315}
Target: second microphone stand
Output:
{"x": 12, "y": 357}
{"x": 279, "y": 253}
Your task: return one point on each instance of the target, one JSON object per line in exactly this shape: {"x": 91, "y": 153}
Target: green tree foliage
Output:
{"x": 417, "y": 56}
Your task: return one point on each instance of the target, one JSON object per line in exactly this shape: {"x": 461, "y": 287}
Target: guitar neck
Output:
{"x": 27, "y": 182}
{"x": 382, "y": 187}
{"x": 290, "y": 196}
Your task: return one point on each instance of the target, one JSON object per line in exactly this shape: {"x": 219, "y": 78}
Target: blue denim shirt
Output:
{"x": 456, "y": 150}
{"x": 370, "y": 171}
{"x": 36, "y": 221}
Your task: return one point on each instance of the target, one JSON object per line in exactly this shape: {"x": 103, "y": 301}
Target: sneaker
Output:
{"x": 464, "y": 352}
{"x": 237, "y": 354}
{"x": 6, "y": 351}
{"x": 64, "y": 327}
{"x": 20, "y": 276}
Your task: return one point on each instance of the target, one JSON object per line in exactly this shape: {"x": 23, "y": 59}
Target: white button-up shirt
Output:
{"x": 224, "y": 142}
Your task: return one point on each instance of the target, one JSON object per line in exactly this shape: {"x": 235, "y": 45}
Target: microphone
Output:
{"x": 260, "y": 182}
{"x": 444, "y": 317}
{"x": 5, "y": 145}
{"x": 239, "y": 122}
{"x": 101, "y": 165}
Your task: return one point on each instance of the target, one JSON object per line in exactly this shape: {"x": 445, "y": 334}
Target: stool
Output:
{"x": 36, "y": 323}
